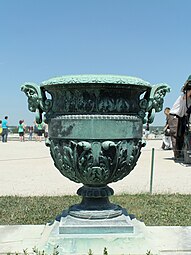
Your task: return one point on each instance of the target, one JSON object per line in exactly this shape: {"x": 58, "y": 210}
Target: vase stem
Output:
{"x": 95, "y": 204}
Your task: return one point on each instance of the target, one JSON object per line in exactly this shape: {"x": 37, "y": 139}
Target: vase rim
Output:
{"x": 95, "y": 79}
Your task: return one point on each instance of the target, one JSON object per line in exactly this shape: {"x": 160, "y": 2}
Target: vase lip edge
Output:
{"x": 96, "y": 79}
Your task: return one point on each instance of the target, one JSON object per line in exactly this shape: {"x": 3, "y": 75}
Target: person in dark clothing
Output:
{"x": 167, "y": 143}
{"x": 4, "y": 129}
{"x": 177, "y": 118}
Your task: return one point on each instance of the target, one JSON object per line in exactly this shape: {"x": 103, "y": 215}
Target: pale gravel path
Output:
{"x": 27, "y": 169}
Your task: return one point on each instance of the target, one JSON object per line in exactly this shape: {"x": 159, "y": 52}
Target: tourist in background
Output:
{"x": 5, "y": 129}
{"x": 21, "y": 130}
{"x": 167, "y": 143}
{"x": 35, "y": 130}
{"x": 177, "y": 119}
{"x": 46, "y": 132}
{"x": 40, "y": 130}
{"x": 147, "y": 131}
{"x": 24, "y": 128}
{"x": 30, "y": 130}
{"x": 1, "y": 130}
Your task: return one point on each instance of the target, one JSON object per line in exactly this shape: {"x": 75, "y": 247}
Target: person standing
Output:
{"x": 177, "y": 119}
{"x": 147, "y": 131}
{"x": 5, "y": 129}
{"x": 30, "y": 133}
{"x": 24, "y": 129}
{"x": 40, "y": 128}
{"x": 21, "y": 130}
{"x": 45, "y": 131}
{"x": 1, "y": 130}
{"x": 167, "y": 143}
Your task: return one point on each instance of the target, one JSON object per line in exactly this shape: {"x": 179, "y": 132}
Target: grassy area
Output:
{"x": 161, "y": 210}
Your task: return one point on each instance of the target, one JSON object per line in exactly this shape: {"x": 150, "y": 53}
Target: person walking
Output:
{"x": 177, "y": 119}
{"x": 5, "y": 129}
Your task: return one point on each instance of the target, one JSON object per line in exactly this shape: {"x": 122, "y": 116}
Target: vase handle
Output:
{"x": 156, "y": 100}
{"x": 37, "y": 101}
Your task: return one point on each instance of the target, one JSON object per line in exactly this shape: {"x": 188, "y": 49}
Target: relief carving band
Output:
{"x": 91, "y": 101}
{"x": 95, "y": 130}
{"x": 95, "y": 163}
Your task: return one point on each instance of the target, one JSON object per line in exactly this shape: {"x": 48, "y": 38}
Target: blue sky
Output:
{"x": 41, "y": 39}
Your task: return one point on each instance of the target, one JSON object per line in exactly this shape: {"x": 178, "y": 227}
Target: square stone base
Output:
{"x": 160, "y": 240}
{"x": 72, "y": 225}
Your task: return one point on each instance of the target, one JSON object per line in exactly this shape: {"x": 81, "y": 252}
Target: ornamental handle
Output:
{"x": 156, "y": 100}
{"x": 37, "y": 100}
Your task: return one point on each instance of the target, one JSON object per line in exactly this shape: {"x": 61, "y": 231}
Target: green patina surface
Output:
{"x": 96, "y": 78}
{"x": 95, "y": 128}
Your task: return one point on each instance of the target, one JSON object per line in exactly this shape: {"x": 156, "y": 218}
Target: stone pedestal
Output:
{"x": 72, "y": 225}
{"x": 119, "y": 235}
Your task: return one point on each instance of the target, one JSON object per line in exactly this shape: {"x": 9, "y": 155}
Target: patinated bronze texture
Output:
{"x": 95, "y": 129}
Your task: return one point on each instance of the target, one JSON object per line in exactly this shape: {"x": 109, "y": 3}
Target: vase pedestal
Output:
{"x": 95, "y": 204}
{"x": 73, "y": 225}
{"x": 119, "y": 235}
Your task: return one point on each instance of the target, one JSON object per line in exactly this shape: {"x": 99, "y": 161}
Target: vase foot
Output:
{"x": 95, "y": 214}
{"x": 95, "y": 204}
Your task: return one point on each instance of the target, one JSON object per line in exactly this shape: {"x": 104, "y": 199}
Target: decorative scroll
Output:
{"x": 37, "y": 101}
{"x": 156, "y": 100}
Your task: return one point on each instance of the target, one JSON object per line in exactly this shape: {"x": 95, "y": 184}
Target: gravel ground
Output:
{"x": 26, "y": 169}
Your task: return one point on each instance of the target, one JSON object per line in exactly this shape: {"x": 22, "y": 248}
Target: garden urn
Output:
{"x": 95, "y": 125}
